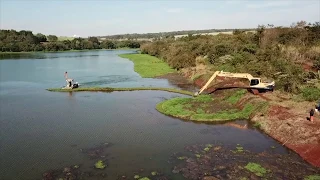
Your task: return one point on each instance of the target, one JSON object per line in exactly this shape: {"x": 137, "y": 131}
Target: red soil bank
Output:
{"x": 309, "y": 152}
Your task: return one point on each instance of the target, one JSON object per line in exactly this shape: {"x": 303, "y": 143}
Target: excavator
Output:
{"x": 255, "y": 84}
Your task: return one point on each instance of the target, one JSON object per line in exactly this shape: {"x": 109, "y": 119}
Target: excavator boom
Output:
{"x": 208, "y": 82}
{"x": 254, "y": 82}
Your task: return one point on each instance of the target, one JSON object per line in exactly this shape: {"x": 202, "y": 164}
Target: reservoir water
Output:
{"x": 42, "y": 130}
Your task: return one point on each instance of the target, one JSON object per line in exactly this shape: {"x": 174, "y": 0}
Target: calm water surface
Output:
{"x": 43, "y": 130}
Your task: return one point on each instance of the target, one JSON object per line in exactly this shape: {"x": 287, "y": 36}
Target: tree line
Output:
{"x": 289, "y": 55}
{"x": 23, "y": 41}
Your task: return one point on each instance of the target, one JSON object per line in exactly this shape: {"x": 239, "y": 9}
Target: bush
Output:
{"x": 250, "y": 48}
{"x": 311, "y": 93}
{"x": 265, "y": 53}
{"x": 316, "y": 63}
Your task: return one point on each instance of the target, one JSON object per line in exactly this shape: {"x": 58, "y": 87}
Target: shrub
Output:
{"x": 316, "y": 63}
{"x": 311, "y": 93}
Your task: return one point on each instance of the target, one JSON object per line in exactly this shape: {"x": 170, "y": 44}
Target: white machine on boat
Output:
{"x": 70, "y": 84}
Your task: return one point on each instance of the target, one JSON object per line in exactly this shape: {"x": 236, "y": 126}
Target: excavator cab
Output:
{"x": 254, "y": 82}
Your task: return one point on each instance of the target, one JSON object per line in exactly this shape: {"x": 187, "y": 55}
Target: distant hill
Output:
{"x": 148, "y": 36}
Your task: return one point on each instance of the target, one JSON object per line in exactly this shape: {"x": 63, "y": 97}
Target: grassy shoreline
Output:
{"x": 148, "y": 66}
{"x": 109, "y": 89}
{"x": 205, "y": 108}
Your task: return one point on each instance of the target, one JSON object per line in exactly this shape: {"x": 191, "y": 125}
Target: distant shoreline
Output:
{"x": 83, "y": 50}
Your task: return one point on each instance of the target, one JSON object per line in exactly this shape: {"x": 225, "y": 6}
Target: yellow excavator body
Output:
{"x": 254, "y": 83}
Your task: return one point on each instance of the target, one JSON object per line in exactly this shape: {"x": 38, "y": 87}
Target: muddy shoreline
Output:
{"x": 285, "y": 120}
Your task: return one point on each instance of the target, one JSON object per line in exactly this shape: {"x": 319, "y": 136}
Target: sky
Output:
{"x": 108, "y": 17}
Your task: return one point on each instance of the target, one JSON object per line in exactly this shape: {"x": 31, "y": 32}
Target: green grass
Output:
{"x": 204, "y": 98}
{"x": 174, "y": 107}
{"x": 225, "y": 115}
{"x": 200, "y": 111}
{"x": 312, "y": 177}
{"x": 255, "y": 168}
{"x": 236, "y": 96}
{"x": 109, "y": 89}
{"x": 148, "y": 66}
{"x": 180, "y": 107}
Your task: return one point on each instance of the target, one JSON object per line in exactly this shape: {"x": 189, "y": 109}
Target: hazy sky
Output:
{"x": 106, "y": 17}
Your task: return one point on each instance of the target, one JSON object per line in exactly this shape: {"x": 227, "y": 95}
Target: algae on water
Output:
{"x": 182, "y": 157}
{"x": 208, "y": 147}
{"x": 255, "y": 168}
{"x": 100, "y": 165}
{"x": 144, "y": 178}
{"x": 136, "y": 177}
{"x": 239, "y": 148}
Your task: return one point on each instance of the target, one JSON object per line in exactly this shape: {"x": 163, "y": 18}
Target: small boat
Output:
{"x": 72, "y": 86}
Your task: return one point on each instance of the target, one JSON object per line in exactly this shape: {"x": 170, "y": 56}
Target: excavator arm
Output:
{"x": 207, "y": 84}
{"x": 258, "y": 84}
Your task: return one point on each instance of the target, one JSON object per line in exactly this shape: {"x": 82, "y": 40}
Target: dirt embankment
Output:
{"x": 288, "y": 122}
{"x": 285, "y": 119}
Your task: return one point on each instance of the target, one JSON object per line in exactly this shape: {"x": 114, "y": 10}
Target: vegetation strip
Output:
{"x": 148, "y": 66}
{"x": 173, "y": 108}
{"x": 109, "y": 89}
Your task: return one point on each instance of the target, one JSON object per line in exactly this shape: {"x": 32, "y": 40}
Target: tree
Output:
{"x": 41, "y": 37}
{"x": 108, "y": 45}
{"x": 93, "y": 39}
{"x": 301, "y": 24}
{"x": 52, "y": 38}
{"x": 237, "y": 32}
{"x": 77, "y": 43}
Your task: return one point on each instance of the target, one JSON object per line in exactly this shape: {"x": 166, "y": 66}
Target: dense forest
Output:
{"x": 289, "y": 55}
{"x": 165, "y": 34}
{"x": 14, "y": 41}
